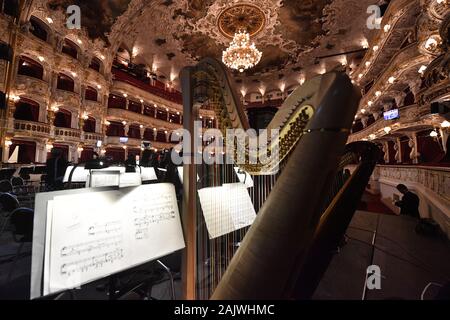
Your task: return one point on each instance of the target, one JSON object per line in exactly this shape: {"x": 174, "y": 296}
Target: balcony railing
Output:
{"x": 91, "y": 137}
{"x": 31, "y": 128}
{"x": 131, "y": 142}
{"x": 66, "y": 134}
{"x": 130, "y": 116}
{"x": 123, "y": 76}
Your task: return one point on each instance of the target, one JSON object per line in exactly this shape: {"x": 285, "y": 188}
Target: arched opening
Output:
{"x": 27, "y": 151}
{"x": 116, "y": 102}
{"x": 134, "y": 106}
{"x": 134, "y": 132}
{"x": 406, "y": 150}
{"x": 30, "y": 68}
{"x": 161, "y": 115}
{"x": 149, "y": 134}
{"x": 27, "y": 110}
{"x": 63, "y": 119}
{"x": 91, "y": 94}
{"x": 95, "y": 64}
{"x": 115, "y": 129}
{"x": 70, "y": 48}
{"x": 62, "y": 148}
{"x": 87, "y": 154}
{"x": 430, "y": 148}
{"x": 161, "y": 136}
{"x": 38, "y": 29}
{"x": 10, "y": 7}
{"x": 116, "y": 154}
{"x": 89, "y": 125}
{"x": 65, "y": 83}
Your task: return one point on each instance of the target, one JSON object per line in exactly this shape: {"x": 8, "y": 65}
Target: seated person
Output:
{"x": 56, "y": 168}
{"x": 409, "y": 205}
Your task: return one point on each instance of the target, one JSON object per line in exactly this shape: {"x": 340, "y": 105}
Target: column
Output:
{"x": 414, "y": 155}
{"x": 142, "y": 131}
{"x": 386, "y": 151}
{"x": 398, "y": 150}
{"x": 142, "y": 108}
{"x": 167, "y": 135}
{"x": 127, "y": 128}
{"x": 444, "y": 135}
{"x": 6, "y": 148}
{"x": 127, "y": 104}
{"x": 73, "y": 153}
{"x": 41, "y": 152}
{"x": 156, "y": 112}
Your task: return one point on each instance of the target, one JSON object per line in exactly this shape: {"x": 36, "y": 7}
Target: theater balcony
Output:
{"x": 31, "y": 129}
{"x": 67, "y": 135}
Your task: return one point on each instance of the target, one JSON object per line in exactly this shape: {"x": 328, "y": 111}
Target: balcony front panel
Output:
{"x": 93, "y": 107}
{"x": 31, "y": 129}
{"x": 67, "y": 98}
{"x": 32, "y": 87}
{"x": 91, "y": 137}
{"x": 133, "y": 117}
{"x": 67, "y": 135}
{"x": 115, "y": 141}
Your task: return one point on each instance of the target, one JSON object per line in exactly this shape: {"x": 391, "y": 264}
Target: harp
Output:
{"x": 295, "y": 204}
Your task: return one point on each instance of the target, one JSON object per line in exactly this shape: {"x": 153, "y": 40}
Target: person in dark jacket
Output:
{"x": 56, "y": 168}
{"x": 409, "y": 205}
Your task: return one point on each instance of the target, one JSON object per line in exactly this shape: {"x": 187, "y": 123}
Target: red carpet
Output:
{"x": 372, "y": 203}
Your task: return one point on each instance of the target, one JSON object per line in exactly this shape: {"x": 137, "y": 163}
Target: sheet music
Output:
{"x": 94, "y": 235}
{"x": 240, "y": 205}
{"x": 130, "y": 179}
{"x": 226, "y": 209}
{"x": 148, "y": 174}
{"x": 101, "y": 178}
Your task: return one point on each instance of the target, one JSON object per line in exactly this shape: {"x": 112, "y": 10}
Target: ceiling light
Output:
{"x": 370, "y": 103}
{"x": 375, "y": 48}
{"x": 391, "y": 80}
{"x": 422, "y": 69}
{"x": 367, "y": 63}
{"x": 125, "y": 95}
{"x": 142, "y": 101}
{"x": 102, "y": 57}
{"x": 49, "y": 20}
{"x": 79, "y": 41}
{"x": 378, "y": 93}
{"x": 372, "y": 137}
{"x": 445, "y": 124}
{"x": 433, "y": 134}
{"x": 387, "y": 27}
{"x": 241, "y": 54}
{"x": 124, "y": 123}
{"x": 363, "y": 110}
{"x": 360, "y": 75}
{"x": 41, "y": 58}
{"x": 99, "y": 86}
{"x": 73, "y": 74}
{"x": 387, "y": 130}
{"x": 141, "y": 126}
{"x": 430, "y": 43}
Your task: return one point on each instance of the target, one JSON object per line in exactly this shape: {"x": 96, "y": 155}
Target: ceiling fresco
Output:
{"x": 167, "y": 35}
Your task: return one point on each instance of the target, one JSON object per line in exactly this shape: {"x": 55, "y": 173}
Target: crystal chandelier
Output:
{"x": 241, "y": 54}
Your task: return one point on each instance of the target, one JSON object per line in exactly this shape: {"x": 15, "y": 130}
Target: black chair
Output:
{"x": 6, "y": 186}
{"x": 8, "y": 203}
{"x": 17, "y": 182}
{"x": 22, "y": 221}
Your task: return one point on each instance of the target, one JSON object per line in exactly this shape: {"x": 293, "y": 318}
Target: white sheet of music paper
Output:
{"x": 94, "y": 235}
{"x": 226, "y": 209}
{"x": 100, "y": 178}
{"x": 130, "y": 179}
{"x": 148, "y": 174}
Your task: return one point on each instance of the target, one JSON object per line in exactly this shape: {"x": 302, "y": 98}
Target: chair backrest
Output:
{"x": 16, "y": 181}
{"x": 8, "y": 202}
{"x": 22, "y": 220}
{"x": 5, "y": 186}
